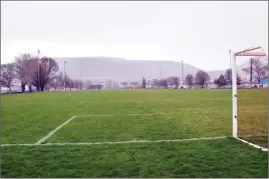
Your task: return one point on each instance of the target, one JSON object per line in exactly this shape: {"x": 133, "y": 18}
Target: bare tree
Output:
{"x": 135, "y": 85}
{"x": 78, "y": 84}
{"x": 155, "y": 82}
{"x": 7, "y": 75}
{"x": 201, "y": 78}
{"x": 189, "y": 80}
{"x": 221, "y": 81}
{"x": 173, "y": 81}
{"x": 69, "y": 83}
{"x": 47, "y": 69}
{"x": 23, "y": 69}
{"x": 163, "y": 83}
{"x": 55, "y": 82}
{"x": 258, "y": 69}
{"x": 31, "y": 65}
{"x": 228, "y": 75}
{"x": 144, "y": 83}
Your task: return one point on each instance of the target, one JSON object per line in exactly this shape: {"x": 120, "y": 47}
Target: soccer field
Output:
{"x": 133, "y": 133}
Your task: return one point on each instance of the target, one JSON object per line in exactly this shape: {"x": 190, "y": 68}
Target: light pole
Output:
{"x": 64, "y": 77}
{"x": 38, "y": 79}
{"x": 230, "y": 52}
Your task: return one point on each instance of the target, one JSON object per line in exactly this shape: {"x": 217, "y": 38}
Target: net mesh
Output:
{"x": 252, "y": 109}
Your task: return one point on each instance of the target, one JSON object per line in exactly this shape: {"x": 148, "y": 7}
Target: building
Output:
{"x": 95, "y": 87}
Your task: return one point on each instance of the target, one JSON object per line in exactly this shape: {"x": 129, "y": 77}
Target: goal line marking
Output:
{"x": 254, "y": 145}
{"x": 134, "y": 114}
{"x": 118, "y": 142}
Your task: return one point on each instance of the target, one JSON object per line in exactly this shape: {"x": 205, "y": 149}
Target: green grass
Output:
{"x": 253, "y": 115}
{"x": 124, "y": 128}
{"x": 26, "y": 118}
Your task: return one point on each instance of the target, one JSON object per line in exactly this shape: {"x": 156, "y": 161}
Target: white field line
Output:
{"x": 55, "y": 130}
{"x": 134, "y": 114}
{"x": 254, "y": 145}
{"x": 119, "y": 142}
{"x": 136, "y": 101}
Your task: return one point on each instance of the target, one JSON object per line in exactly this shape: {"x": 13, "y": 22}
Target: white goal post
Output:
{"x": 252, "y": 52}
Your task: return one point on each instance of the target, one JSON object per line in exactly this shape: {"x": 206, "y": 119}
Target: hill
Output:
{"x": 122, "y": 69}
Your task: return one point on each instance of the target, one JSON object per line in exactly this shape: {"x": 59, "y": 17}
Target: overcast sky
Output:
{"x": 199, "y": 33}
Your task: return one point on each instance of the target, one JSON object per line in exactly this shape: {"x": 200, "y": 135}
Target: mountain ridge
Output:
{"x": 126, "y": 70}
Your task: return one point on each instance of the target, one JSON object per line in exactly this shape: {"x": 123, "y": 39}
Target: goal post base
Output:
{"x": 253, "y": 145}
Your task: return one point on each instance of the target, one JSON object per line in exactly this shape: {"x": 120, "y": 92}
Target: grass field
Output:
{"x": 134, "y": 122}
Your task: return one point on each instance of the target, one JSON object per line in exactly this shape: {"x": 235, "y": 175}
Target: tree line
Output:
{"x": 33, "y": 71}
{"x": 200, "y": 79}
{"x": 257, "y": 70}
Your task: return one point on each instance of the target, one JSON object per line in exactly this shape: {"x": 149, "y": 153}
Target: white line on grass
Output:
{"x": 95, "y": 115}
{"x": 55, "y": 130}
{"x": 254, "y": 145}
{"x": 119, "y": 142}
{"x": 134, "y": 114}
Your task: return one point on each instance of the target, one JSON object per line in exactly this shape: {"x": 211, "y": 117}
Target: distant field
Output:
{"x": 138, "y": 125}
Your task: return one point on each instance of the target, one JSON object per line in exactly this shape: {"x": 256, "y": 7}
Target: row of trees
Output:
{"x": 34, "y": 71}
{"x": 257, "y": 70}
{"x": 226, "y": 79}
{"x": 200, "y": 79}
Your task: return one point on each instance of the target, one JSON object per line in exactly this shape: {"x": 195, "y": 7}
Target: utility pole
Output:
{"x": 81, "y": 74}
{"x": 182, "y": 75}
{"x": 38, "y": 79}
{"x": 160, "y": 73}
{"x": 251, "y": 62}
{"x": 230, "y": 52}
{"x": 64, "y": 77}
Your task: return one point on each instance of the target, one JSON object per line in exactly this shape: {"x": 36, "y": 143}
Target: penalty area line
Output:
{"x": 55, "y": 130}
{"x": 118, "y": 142}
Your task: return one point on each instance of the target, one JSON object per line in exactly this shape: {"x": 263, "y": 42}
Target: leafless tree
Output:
{"x": 47, "y": 71}
{"x": 144, "y": 83}
{"x": 7, "y": 75}
{"x": 155, "y": 82}
{"x": 78, "y": 84}
{"x": 23, "y": 69}
{"x": 189, "y": 80}
{"x": 163, "y": 83}
{"x": 55, "y": 82}
{"x": 201, "y": 78}
{"x": 258, "y": 68}
{"x": 173, "y": 81}
{"x": 228, "y": 75}
{"x": 69, "y": 83}
{"x": 221, "y": 81}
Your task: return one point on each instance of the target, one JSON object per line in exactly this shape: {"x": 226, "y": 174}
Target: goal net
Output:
{"x": 250, "y": 97}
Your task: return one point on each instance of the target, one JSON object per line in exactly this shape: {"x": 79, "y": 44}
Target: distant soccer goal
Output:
{"x": 250, "y": 97}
